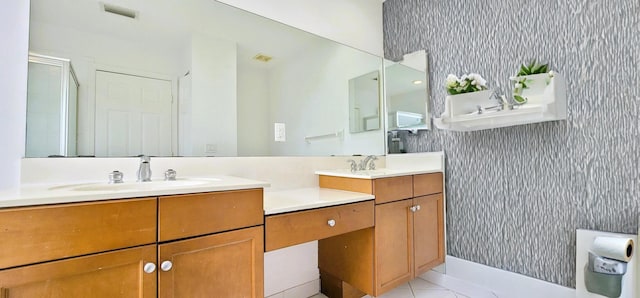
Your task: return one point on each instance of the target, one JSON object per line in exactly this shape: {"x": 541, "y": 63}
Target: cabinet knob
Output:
{"x": 331, "y": 222}
{"x": 166, "y": 265}
{"x": 413, "y": 208}
{"x": 149, "y": 267}
{"x": 417, "y": 207}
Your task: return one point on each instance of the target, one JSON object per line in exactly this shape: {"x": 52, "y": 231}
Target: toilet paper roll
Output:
{"x": 620, "y": 249}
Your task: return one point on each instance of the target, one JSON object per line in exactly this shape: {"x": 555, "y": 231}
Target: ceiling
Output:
{"x": 170, "y": 23}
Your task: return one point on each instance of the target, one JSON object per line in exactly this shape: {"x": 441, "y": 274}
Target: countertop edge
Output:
{"x": 319, "y": 198}
{"x": 37, "y": 195}
{"x": 363, "y": 175}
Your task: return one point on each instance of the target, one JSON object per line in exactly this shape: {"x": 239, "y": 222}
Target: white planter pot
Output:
{"x": 465, "y": 103}
{"x": 536, "y": 84}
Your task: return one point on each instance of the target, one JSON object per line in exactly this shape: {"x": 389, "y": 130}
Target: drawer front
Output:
{"x": 183, "y": 216}
{"x": 393, "y": 189}
{"x": 426, "y": 184}
{"x": 36, "y": 234}
{"x": 304, "y": 226}
{"x": 344, "y": 183}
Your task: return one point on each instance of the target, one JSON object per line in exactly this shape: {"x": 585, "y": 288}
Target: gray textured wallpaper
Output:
{"x": 516, "y": 195}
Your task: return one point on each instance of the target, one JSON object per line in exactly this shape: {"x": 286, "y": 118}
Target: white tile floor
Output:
{"x": 417, "y": 288}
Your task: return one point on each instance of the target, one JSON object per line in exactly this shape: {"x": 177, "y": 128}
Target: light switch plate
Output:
{"x": 211, "y": 148}
{"x": 279, "y": 132}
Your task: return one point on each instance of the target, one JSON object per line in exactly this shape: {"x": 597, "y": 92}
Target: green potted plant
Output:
{"x": 531, "y": 79}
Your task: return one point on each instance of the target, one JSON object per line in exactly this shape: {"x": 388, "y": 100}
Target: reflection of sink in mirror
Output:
{"x": 160, "y": 184}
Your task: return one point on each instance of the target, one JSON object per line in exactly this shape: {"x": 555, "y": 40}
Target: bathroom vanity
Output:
{"x": 209, "y": 235}
{"x": 163, "y": 246}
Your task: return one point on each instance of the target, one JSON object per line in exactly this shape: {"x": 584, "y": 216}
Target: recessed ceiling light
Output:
{"x": 121, "y": 11}
{"x": 262, "y": 58}
{"x": 417, "y": 82}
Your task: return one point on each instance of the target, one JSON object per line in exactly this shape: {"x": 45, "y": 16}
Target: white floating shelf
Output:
{"x": 546, "y": 103}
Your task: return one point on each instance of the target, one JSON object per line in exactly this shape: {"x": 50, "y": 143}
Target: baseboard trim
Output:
{"x": 482, "y": 281}
{"x": 304, "y": 290}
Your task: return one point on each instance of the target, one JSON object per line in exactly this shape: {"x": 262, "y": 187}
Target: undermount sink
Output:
{"x": 160, "y": 184}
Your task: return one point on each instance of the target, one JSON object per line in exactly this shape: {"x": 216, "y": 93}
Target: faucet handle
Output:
{"x": 170, "y": 175}
{"x": 115, "y": 177}
{"x": 372, "y": 165}
{"x": 354, "y": 165}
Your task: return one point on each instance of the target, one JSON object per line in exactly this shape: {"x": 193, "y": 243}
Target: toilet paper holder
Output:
{"x": 607, "y": 264}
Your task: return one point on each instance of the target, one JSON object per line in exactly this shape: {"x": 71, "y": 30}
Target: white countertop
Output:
{"x": 380, "y": 173}
{"x": 41, "y": 194}
{"x": 309, "y": 198}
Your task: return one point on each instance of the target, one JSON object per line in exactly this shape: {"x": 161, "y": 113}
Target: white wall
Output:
{"x": 254, "y": 129}
{"x": 357, "y": 23}
{"x": 409, "y": 102}
{"x": 14, "y": 33}
{"x": 213, "y": 97}
{"x": 322, "y": 96}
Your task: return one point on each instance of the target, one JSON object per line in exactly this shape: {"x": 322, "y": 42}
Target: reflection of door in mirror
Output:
{"x": 364, "y": 99}
{"x": 52, "y": 97}
{"x": 133, "y": 115}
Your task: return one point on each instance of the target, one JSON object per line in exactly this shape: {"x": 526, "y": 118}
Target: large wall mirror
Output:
{"x": 192, "y": 78}
{"x": 407, "y": 97}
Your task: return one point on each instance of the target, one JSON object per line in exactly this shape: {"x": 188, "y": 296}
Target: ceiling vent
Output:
{"x": 121, "y": 11}
{"x": 262, "y": 58}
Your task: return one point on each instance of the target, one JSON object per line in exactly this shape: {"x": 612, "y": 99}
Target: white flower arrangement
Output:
{"x": 467, "y": 83}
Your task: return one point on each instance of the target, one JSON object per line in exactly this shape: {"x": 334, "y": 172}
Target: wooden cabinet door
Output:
{"x": 229, "y": 264}
{"x": 393, "y": 245}
{"x": 428, "y": 232}
{"x": 106, "y": 275}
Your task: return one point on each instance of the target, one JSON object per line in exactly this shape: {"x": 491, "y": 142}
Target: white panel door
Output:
{"x": 133, "y": 115}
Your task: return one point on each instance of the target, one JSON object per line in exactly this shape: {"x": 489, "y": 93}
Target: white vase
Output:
{"x": 466, "y": 103}
{"x": 535, "y": 83}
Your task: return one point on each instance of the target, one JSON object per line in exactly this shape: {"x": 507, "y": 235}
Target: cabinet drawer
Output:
{"x": 303, "y": 226}
{"x": 344, "y": 183}
{"x": 36, "y": 234}
{"x": 183, "y": 216}
{"x": 426, "y": 184}
{"x": 392, "y": 189}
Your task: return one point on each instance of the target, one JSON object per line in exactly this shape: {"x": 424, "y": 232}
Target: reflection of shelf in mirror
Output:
{"x": 338, "y": 135}
{"x": 549, "y": 104}
{"x": 402, "y": 119}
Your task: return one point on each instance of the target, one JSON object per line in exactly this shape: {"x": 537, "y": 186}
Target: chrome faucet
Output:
{"x": 368, "y": 160}
{"x": 144, "y": 171}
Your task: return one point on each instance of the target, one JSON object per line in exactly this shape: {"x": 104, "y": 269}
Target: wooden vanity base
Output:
{"x": 333, "y": 287}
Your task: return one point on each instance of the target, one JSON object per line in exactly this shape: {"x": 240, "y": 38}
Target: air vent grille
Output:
{"x": 121, "y": 11}
{"x": 262, "y": 58}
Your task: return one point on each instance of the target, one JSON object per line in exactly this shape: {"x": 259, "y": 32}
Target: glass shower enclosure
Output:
{"x": 52, "y": 105}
